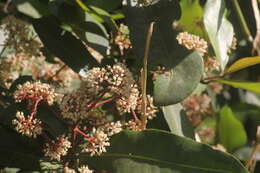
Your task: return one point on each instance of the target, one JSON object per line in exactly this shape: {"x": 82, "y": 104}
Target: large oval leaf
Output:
{"x": 155, "y": 151}
{"x": 185, "y": 67}
{"x": 173, "y": 87}
{"x": 219, "y": 29}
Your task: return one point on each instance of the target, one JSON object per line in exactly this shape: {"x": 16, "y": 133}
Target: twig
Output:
{"x": 58, "y": 71}
{"x": 242, "y": 20}
{"x": 144, "y": 74}
{"x": 250, "y": 164}
{"x": 256, "y": 41}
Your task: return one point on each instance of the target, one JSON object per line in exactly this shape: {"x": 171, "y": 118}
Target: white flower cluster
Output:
{"x": 128, "y": 104}
{"x": 57, "y": 148}
{"x": 122, "y": 39}
{"x": 97, "y": 143}
{"x": 27, "y": 126}
{"x": 112, "y": 128}
{"x": 74, "y": 106}
{"x": 35, "y": 91}
{"x": 150, "y": 108}
{"x": 82, "y": 169}
{"x": 192, "y": 42}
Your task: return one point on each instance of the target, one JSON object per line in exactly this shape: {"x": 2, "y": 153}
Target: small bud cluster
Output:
{"x": 211, "y": 65}
{"x": 197, "y": 107}
{"x": 74, "y": 106}
{"x": 150, "y": 108}
{"x": 122, "y": 39}
{"x": 133, "y": 125}
{"x": 192, "y": 42}
{"x": 97, "y": 143}
{"x": 82, "y": 169}
{"x": 27, "y": 126}
{"x": 35, "y": 91}
{"x": 57, "y": 148}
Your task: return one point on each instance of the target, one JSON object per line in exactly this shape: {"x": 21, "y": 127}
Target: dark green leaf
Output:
{"x": 231, "y": 131}
{"x": 185, "y": 67}
{"x": 157, "y": 151}
{"x": 32, "y": 8}
{"x": 63, "y": 44}
{"x": 105, "y": 4}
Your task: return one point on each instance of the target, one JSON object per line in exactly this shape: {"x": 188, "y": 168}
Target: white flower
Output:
{"x": 57, "y": 148}
{"x": 27, "y": 126}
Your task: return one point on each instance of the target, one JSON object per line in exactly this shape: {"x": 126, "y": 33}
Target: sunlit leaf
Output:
{"x": 250, "y": 86}
{"x": 177, "y": 120}
{"x": 243, "y": 63}
{"x": 231, "y": 131}
{"x": 32, "y": 8}
{"x": 219, "y": 29}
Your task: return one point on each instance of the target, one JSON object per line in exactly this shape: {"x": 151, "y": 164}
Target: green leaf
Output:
{"x": 93, "y": 34}
{"x": 173, "y": 87}
{"x": 105, "y": 4}
{"x": 156, "y": 151}
{"x": 32, "y": 8}
{"x": 219, "y": 29}
{"x": 192, "y": 18}
{"x": 67, "y": 12}
{"x": 184, "y": 68}
{"x": 243, "y": 63}
{"x": 231, "y": 131}
{"x": 63, "y": 44}
{"x": 177, "y": 120}
{"x": 50, "y": 166}
{"x": 250, "y": 86}
{"x": 17, "y": 151}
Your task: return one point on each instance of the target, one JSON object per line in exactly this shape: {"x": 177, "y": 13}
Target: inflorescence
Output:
{"x": 83, "y": 111}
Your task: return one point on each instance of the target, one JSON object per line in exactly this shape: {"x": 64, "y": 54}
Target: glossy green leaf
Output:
{"x": 231, "y": 131}
{"x": 219, "y": 29}
{"x": 32, "y": 8}
{"x": 157, "y": 151}
{"x": 243, "y": 63}
{"x": 184, "y": 67}
{"x": 63, "y": 44}
{"x": 192, "y": 18}
{"x": 250, "y": 86}
{"x": 177, "y": 120}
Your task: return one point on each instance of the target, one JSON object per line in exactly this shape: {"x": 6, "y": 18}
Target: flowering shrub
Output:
{"x": 127, "y": 86}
